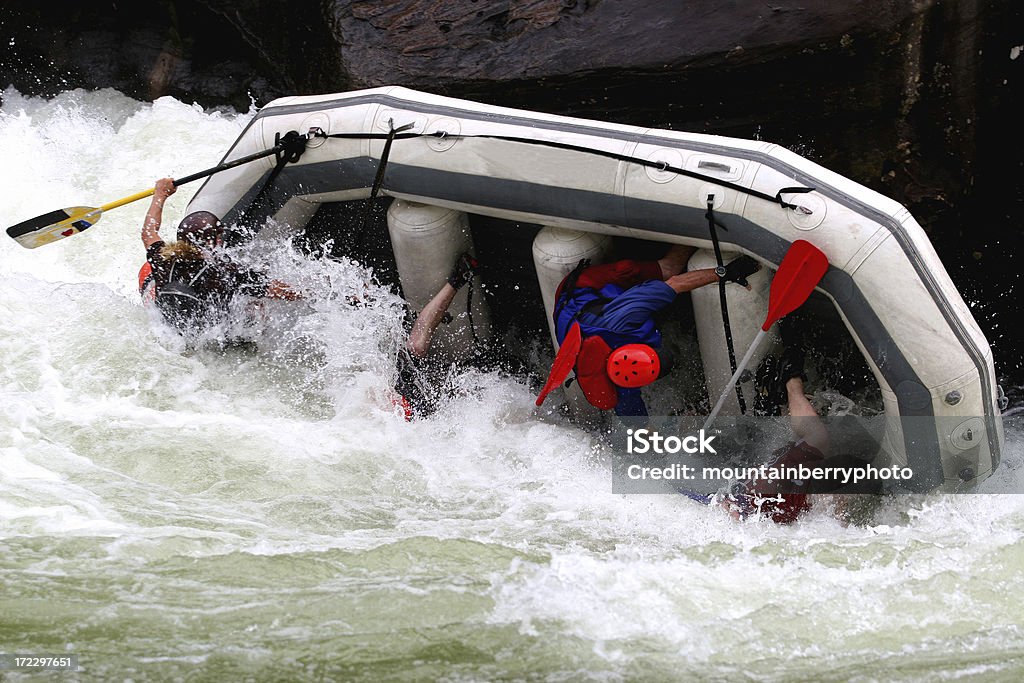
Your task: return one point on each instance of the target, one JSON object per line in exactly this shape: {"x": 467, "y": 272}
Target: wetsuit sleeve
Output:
{"x": 161, "y": 267}
{"x": 412, "y": 382}
{"x": 248, "y": 281}
{"x": 154, "y": 250}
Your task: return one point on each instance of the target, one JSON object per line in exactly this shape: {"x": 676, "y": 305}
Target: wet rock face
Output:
{"x": 142, "y": 49}
{"x": 387, "y": 41}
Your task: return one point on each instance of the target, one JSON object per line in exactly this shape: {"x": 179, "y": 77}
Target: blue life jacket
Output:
{"x": 574, "y": 305}
{"x": 577, "y": 304}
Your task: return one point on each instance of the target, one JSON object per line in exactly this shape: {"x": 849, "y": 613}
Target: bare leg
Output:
{"x": 674, "y": 262}
{"x": 428, "y": 320}
{"x": 804, "y": 418}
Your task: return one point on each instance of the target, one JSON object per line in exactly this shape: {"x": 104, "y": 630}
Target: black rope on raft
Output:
{"x": 469, "y": 311}
{"x": 713, "y": 226}
{"x": 648, "y": 163}
{"x": 378, "y": 180}
{"x": 288, "y": 149}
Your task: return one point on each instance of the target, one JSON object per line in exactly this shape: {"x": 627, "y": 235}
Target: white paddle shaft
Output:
{"x": 735, "y": 378}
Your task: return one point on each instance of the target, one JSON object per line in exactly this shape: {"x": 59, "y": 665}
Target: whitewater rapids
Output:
{"x": 223, "y": 514}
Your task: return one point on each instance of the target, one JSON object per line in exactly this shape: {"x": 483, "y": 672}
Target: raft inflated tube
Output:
{"x": 746, "y": 313}
{"x": 556, "y": 251}
{"x": 899, "y": 305}
{"x": 427, "y": 241}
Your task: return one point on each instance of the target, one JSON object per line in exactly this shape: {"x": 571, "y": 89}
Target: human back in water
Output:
{"x": 189, "y": 281}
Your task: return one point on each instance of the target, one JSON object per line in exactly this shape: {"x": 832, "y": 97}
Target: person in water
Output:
{"x": 418, "y": 377}
{"x": 607, "y": 314}
{"x": 188, "y": 280}
{"x": 784, "y": 501}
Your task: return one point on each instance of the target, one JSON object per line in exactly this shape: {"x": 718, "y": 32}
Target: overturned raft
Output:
{"x": 585, "y": 180}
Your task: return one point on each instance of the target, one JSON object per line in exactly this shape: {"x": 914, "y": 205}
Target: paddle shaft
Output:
{"x": 801, "y": 270}
{"x": 702, "y": 498}
{"x": 129, "y": 199}
{"x": 735, "y": 377}
{"x": 195, "y": 176}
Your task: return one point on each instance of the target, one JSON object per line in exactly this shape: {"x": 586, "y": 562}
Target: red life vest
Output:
{"x": 590, "y": 359}
{"x": 147, "y": 283}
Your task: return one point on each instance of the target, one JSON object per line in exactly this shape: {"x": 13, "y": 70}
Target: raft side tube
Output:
{"x": 885, "y": 279}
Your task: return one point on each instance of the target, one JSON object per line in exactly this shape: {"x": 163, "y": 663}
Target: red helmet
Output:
{"x": 634, "y": 365}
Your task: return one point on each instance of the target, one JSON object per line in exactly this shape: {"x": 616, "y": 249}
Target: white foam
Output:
{"x": 182, "y": 459}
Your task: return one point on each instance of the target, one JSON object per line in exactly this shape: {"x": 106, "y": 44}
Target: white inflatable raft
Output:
{"x": 585, "y": 180}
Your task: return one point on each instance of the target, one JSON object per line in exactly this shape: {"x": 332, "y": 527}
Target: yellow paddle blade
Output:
{"x": 54, "y": 226}
{"x": 62, "y": 223}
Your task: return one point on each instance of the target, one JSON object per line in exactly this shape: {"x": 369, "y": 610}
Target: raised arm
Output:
{"x": 164, "y": 188}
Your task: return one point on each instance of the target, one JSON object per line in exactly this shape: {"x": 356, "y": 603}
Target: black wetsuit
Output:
{"x": 213, "y": 280}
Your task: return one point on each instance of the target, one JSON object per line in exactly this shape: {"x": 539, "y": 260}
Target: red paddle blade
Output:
{"x": 564, "y": 361}
{"x": 801, "y": 270}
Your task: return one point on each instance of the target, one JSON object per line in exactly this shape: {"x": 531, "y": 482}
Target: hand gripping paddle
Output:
{"x": 801, "y": 270}
{"x": 62, "y": 223}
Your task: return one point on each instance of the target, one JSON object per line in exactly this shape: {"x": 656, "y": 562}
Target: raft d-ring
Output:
{"x": 442, "y": 134}
{"x": 809, "y": 212}
{"x": 716, "y": 194}
{"x": 318, "y": 126}
{"x": 969, "y": 434}
{"x": 662, "y": 159}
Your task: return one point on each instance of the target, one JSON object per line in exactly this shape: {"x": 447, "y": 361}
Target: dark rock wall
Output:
{"x": 911, "y": 97}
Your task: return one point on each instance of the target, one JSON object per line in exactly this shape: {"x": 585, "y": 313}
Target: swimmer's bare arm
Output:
{"x": 803, "y": 418}
{"x": 163, "y": 189}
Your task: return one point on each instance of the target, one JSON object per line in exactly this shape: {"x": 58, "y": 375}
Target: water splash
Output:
{"x": 173, "y": 511}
